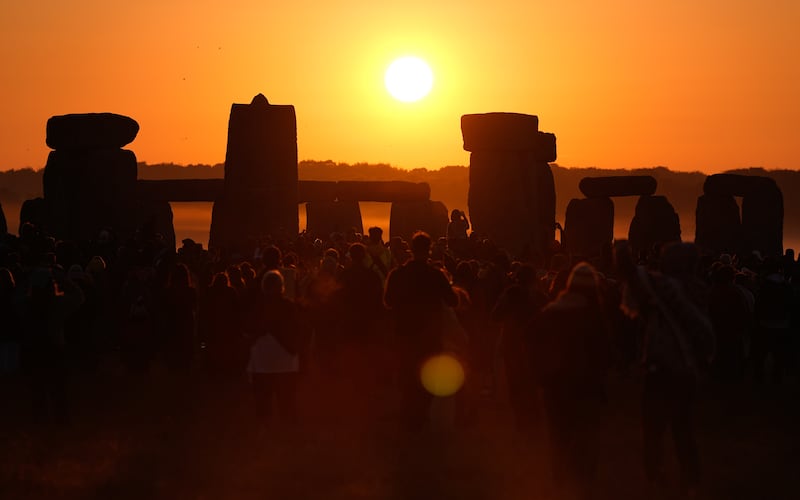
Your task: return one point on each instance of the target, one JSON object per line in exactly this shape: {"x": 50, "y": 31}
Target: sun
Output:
{"x": 409, "y": 79}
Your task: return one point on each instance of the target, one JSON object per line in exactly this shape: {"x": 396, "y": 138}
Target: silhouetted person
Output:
{"x": 515, "y": 310}
{"x": 9, "y": 324}
{"x": 44, "y": 310}
{"x": 457, "y": 233}
{"x": 359, "y": 312}
{"x": 416, "y": 293}
{"x": 322, "y": 288}
{"x": 180, "y": 306}
{"x": 731, "y": 320}
{"x": 570, "y": 352}
{"x": 274, "y": 361}
{"x": 381, "y": 260}
{"x": 774, "y": 302}
{"x": 220, "y": 325}
{"x": 678, "y": 342}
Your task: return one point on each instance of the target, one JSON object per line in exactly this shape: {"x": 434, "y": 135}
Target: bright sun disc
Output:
{"x": 409, "y": 79}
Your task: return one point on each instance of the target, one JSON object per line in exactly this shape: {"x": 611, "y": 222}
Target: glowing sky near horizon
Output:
{"x": 691, "y": 85}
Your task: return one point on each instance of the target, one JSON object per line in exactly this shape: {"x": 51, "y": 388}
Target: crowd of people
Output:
{"x": 369, "y": 312}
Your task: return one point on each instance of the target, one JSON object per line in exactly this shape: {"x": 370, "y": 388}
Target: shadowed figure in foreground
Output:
{"x": 571, "y": 355}
{"x": 416, "y": 293}
{"x": 274, "y": 362}
{"x": 678, "y": 342}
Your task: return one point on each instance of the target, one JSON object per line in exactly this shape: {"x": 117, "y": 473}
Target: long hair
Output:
{"x": 583, "y": 280}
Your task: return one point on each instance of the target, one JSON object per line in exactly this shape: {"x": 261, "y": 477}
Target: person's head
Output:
{"x": 358, "y": 254}
{"x": 6, "y": 281}
{"x": 271, "y": 257}
{"x": 375, "y": 235}
{"x": 584, "y": 280}
{"x": 455, "y": 215}
{"x": 220, "y": 280}
{"x": 272, "y": 284}
{"x": 421, "y": 245}
{"x": 180, "y": 277}
{"x": 96, "y": 265}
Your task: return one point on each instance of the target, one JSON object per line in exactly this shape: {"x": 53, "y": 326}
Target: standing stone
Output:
{"x": 589, "y": 227}
{"x": 654, "y": 222}
{"x": 87, "y": 190}
{"x": 326, "y": 217}
{"x": 762, "y": 212}
{"x": 89, "y": 181}
{"x": 762, "y": 221}
{"x": 719, "y": 228}
{"x": 33, "y": 211}
{"x": 408, "y": 217}
{"x": 511, "y": 193}
{"x": 260, "y": 174}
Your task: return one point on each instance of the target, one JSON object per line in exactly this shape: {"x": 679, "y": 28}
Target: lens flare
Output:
{"x": 442, "y": 375}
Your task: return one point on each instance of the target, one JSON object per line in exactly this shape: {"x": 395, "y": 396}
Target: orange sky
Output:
{"x": 688, "y": 84}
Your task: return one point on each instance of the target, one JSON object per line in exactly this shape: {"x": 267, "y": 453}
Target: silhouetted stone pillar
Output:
{"x": 408, "y": 217}
{"x": 718, "y": 228}
{"x": 762, "y": 221}
{"x": 589, "y": 227}
{"x": 89, "y": 181}
{"x": 762, "y": 213}
{"x": 326, "y": 217}
{"x": 511, "y": 193}
{"x": 260, "y": 175}
{"x": 87, "y": 190}
{"x": 33, "y": 211}
{"x": 654, "y": 221}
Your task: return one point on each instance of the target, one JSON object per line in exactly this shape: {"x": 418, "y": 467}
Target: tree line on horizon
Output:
{"x": 450, "y": 185}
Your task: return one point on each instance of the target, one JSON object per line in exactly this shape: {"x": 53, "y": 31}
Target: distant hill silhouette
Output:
{"x": 450, "y": 185}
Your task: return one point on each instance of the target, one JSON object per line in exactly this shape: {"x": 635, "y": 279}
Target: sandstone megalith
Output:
{"x": 260, "y": 197}
{"x": 511, "y": 195}
{"x": 654, "y": 222}
{"x": 588, "y": 227}
{"x": 719, "y": 227}
{"x": 407, "y": 217}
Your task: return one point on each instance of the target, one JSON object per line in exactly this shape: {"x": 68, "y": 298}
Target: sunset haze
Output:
{"x": 691, "y": 85}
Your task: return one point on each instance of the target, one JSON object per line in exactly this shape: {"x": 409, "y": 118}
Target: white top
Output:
{"x": 268, "y": 356}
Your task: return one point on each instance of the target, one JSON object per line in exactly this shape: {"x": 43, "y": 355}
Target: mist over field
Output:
{"x": 449, "y": 184}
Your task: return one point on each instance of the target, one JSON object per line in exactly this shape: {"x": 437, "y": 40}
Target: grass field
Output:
{"x": 162, "y": 436}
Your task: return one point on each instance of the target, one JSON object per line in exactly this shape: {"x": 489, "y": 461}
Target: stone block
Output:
{"x": 737, "y": 185}
{"x": 719, "y": 228}
{"x": 180, "y": 189}
{"x": 325, "y": 191}
{"x": 654, "y": 222}
{"x": 762, "y": 222}
{"x": 383, "y": 191}
{"x": 620, "y": 185}
{"x": 325, "y": 218}
{"x": 262, "y": 146}
{"x": 589, "y": 227}
{"x": 546, "y": 147}
{"x": 500, "y": 131}
{"x": 408, "y": 217}
{"x": 90, "y": 131}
